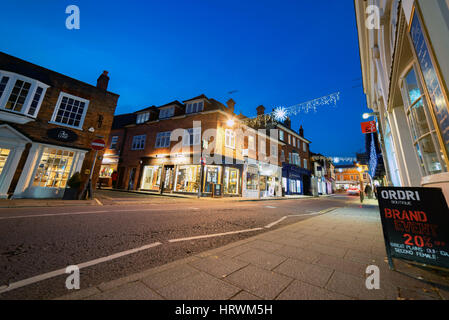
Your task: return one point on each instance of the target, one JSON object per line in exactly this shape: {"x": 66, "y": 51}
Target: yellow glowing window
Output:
{"x": 54, "y": 168}
{"x": 4, "y": 153}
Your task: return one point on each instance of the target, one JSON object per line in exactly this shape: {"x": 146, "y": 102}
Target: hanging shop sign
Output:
{"x": 415, "y": 223}
{"x": 369, "y": 127}
{"x": 63, "y": 135}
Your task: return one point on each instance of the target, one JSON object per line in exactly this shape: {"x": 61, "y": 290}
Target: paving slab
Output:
{"x": 219, "y": 266}
{"x": 199, "y": 287}
{"x": 261, "y": 258}
{"x": 129, "y": 291}
{"x": 306, "y": 272}
{"x": 299, "y": 290}
{"x": 260, "y": 282}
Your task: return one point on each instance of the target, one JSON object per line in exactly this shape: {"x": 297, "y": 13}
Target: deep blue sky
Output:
{"x": 273, "y": 52}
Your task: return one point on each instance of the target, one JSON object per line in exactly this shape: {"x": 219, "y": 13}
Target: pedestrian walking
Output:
{"x": 114, "y": 176}
{"x": 368, "y": 191}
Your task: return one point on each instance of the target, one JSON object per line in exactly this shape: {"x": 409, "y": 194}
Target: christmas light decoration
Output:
{"x": 373, "y": 157}
{"x": 280, "y": 114}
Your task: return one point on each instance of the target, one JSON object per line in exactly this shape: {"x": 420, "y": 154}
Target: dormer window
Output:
{"x": 195, "y": 107}
{"x": 21, "y": 95}
{"x": 166, "y": 112}
{"x": 143, "y": 117}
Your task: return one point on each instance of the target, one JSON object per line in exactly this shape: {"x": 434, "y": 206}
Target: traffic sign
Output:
{"x": 98, "y": 144}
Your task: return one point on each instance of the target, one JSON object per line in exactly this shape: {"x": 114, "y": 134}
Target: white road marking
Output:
{"x": 76, "y": 213}
{"x": 98, "y": 201}
{"x": 271, "y": 207}
{"x": 214, "y": 235}
{"x": 276, "y": 222}
{"x": 52, "y": 274}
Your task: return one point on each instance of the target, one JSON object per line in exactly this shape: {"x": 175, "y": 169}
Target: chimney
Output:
{"x": 103, "y": 81}
{"x": 288, "y": 123}
{"x": 301, "y": 132}
{"x": 260, "y": 110}
{"x": 231, "y": 104}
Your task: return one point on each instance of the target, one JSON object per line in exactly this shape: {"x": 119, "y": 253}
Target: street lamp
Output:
{"x": 230, "y": 123}
{"x": 372, "y": 114}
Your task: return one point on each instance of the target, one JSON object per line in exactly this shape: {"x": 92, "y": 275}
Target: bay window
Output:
{"x": 20, "y": 95}
{"x": 421, "y": 126}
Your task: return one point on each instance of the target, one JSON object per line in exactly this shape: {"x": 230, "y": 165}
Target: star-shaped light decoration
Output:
{"x": 280, "y": 114}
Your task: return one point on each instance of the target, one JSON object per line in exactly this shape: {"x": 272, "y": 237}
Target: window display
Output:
{"x": 421, "y": 126}
{"x": 212, "y": 174}
{"x": 187, "y": 179}
{"x": 54, "y": 168}
{"x": 4, "y": 153}
{"x": 231, "y": 181}
{"x": 151, "y": 178}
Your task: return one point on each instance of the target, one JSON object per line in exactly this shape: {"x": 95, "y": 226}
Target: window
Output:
{"x": 273, "y": 150}
{"x": 282, "y": 156}
{"x": 230, "y": 138}
{"x": 304, "y": 147}
{"x": 114, "y": 141}
{"x": 187, "y": 179}
{"x": 289, "y": 139}
{"x": 54, "y": 168}
{"x": 4, "y": 153}
{"x": 251, "y": 143}
{"x": 192, "y": 137}
{"x": 138, "y": 142}
{"x": 70, "y": 111}
{"x": 281, "y": 135}
{"x": 163, "y": 140}
{"x": 294, "y": 142}
{"x": 19, "y": 94}
{"x": 305, "y": 164}
{"x": 194, "y": 107}
{"x": 143, "y": 117}
{"x": 422, "y": 130}
{"x": 166, "y": 112}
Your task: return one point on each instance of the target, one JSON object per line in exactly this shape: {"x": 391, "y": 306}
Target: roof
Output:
{"x": 123, "y": 120}
{"x": 202, "y": 96}
{"x": 152, "y": 108}
{"x": 176, "y": 102}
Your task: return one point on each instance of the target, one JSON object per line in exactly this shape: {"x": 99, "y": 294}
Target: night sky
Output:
{"x": 275, "y": 53}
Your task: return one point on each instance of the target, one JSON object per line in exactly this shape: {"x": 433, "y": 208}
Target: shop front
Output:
{"x": 269, "y": 180}
{"x": 186, "y": 177}
{"x": 46, "y": 171}
{"x": 109, "y": 165}
{"x": 293, "y": 179}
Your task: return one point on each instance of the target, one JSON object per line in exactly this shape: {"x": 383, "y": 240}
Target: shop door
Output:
{"x": 169, "y": 178}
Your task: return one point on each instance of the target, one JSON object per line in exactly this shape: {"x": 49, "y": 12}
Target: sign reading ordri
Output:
{"x": 415, "y": 223}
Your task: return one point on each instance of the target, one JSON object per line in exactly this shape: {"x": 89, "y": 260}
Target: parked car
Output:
{"x": 353, "y": 191}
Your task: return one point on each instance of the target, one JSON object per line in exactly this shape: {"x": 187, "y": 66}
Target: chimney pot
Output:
{"x": 260, "y": 110}
{"x": 231, "y": 104}
{"x": 301, "y": 132}
{"x": 103, "y": 81}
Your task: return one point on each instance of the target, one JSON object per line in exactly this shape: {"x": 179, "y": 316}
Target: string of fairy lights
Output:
{"x": 281, "y": 113}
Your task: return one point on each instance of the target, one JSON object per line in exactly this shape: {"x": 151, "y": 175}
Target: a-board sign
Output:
{"x": 415, "y": 222}
{"x": 217, "y": 192}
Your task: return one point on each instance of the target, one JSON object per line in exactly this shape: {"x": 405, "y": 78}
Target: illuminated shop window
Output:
{"x": 421, "y": 126}
{"x": 54, "y": 168}
{"x": 4, "y": 153}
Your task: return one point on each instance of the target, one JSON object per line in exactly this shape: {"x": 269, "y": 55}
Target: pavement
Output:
{"x": 322, "y": 258}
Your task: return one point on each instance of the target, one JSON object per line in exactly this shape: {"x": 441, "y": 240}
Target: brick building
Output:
{"x": 349, "y": 176}
{"x": 47, "y": 122}
{"x": 160, "y": 149}
{"x": 323, "y": 181}
{"x": 294, "y": 153}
